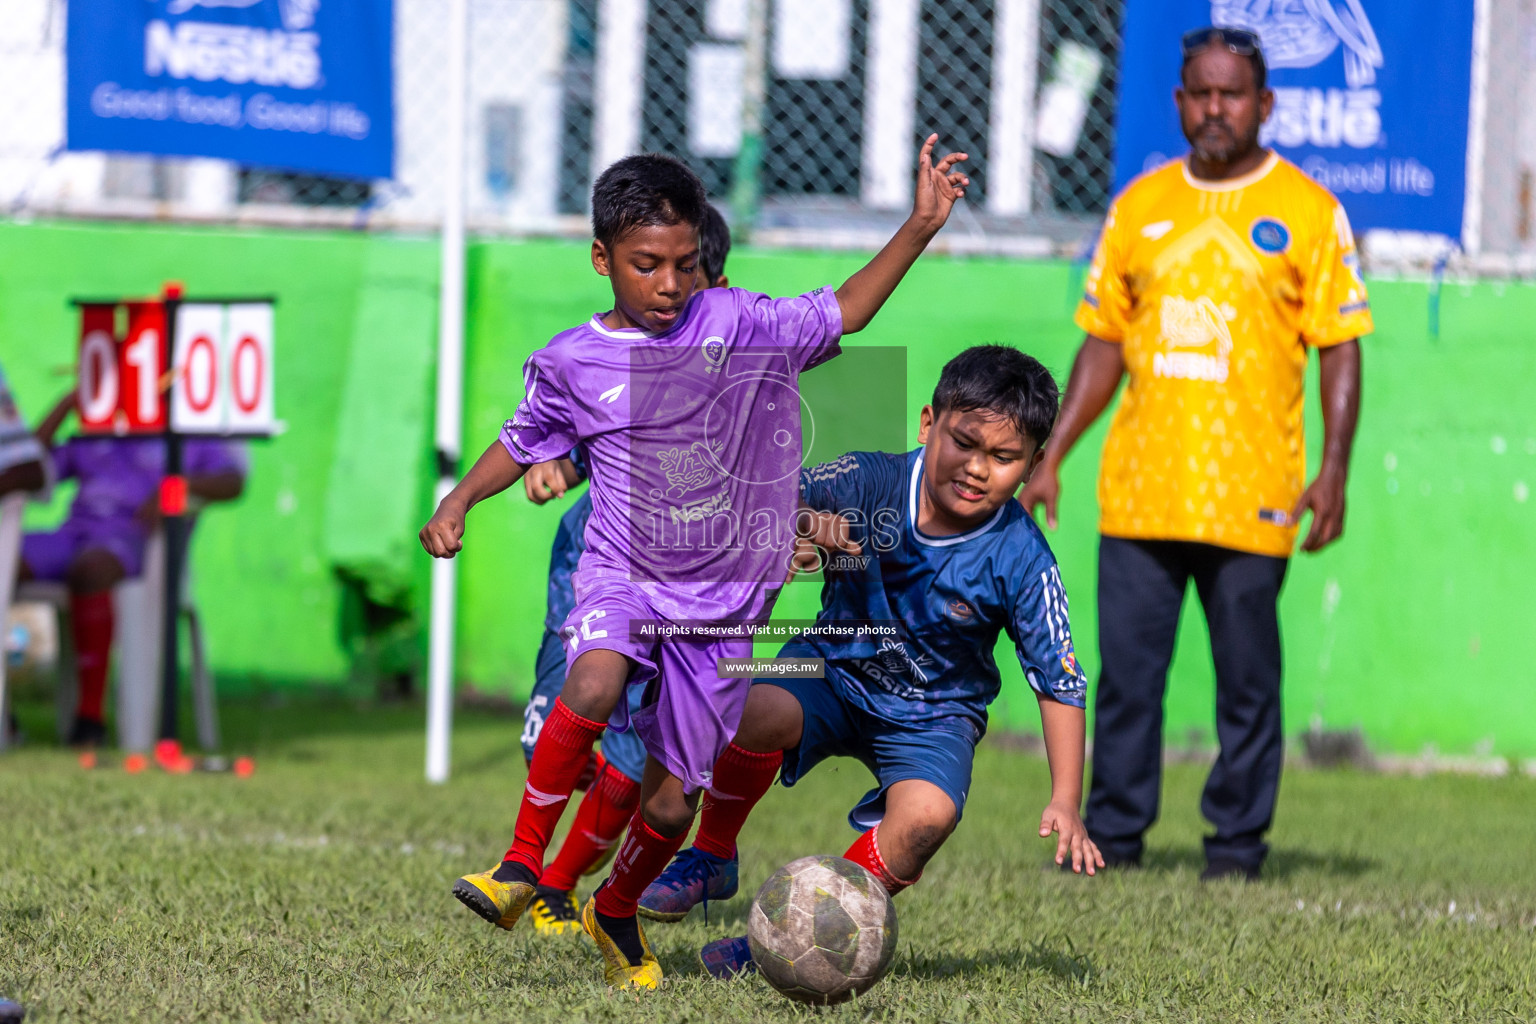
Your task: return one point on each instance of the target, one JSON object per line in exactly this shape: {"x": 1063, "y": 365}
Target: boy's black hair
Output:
{"x": 714, "y": 245}
{"x": 1002, "y": 380}
{"x": 642, "y": 190}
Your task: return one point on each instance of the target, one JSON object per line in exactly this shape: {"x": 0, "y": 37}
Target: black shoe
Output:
{"x": 1222, "y": 870}
{"x": 87, "y": 732}
{"x": 11, "y": 1013}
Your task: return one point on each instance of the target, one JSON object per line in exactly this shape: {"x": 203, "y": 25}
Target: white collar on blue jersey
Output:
{"x": 942, "y": 542}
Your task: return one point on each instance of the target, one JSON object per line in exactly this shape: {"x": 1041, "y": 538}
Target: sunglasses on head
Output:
{"x": 1237, "y": 40}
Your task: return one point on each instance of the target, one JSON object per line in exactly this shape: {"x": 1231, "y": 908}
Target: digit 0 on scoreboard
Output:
{"x": 249, "y": 358}
{"x": 196, "y": 404}
{"x": 121, "y": 387}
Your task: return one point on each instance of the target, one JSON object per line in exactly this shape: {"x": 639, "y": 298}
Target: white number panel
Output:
{"x": 223, "y": 368}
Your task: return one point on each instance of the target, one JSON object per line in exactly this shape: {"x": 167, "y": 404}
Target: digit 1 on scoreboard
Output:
{"x": 141, "y": 369}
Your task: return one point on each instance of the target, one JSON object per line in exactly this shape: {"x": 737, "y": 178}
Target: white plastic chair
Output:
{"x": 138, "y": 606}
{"x": 10, "y": 558}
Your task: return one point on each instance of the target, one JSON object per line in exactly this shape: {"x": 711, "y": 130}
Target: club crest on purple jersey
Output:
{"x": 713, "y": 348}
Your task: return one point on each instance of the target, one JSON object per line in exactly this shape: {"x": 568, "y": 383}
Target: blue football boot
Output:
{"x": 692, "y": 878}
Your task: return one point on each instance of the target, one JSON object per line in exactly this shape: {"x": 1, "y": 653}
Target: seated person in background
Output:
{"x": 101, "y": 542}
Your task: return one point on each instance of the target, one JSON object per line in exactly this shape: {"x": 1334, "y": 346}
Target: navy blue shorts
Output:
{"x": 623, "y": 750}
{"x": 834, "y": 727}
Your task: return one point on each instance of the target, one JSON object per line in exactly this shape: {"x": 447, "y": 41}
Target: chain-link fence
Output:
{"x": 802, "y": 116}
{"x": 822, "y": 103}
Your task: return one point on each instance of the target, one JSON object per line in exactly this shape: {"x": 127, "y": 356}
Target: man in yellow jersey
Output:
{"x": 1214, "y": 276}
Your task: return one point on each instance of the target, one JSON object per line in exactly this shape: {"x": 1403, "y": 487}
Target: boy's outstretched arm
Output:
{"x": 938, "y": 186}
{"x": 492, "y": 473}
{"x": 1065, "y": 728}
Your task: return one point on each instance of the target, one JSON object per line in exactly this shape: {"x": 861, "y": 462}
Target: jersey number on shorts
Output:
{"x": 587, "y": 632}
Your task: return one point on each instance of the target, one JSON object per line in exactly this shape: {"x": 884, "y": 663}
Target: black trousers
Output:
{"x": 1141, "y": 591}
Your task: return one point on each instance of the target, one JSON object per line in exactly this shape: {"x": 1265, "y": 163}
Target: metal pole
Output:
{"x": 1477, "y": 131}
{"x": 619, "y": 81}
{"x": 1016, "y": 31}
{"x": 450, "y": 392}
{"x": 746, "y": 177}
{"x": 890, "y": 104}
{"x": 173, "y": 505}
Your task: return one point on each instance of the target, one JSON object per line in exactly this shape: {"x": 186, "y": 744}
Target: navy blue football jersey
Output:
{"x": 949, "y": 598}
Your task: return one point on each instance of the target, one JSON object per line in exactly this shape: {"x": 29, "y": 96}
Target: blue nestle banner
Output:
{"x": 1371, "y": 97}
{"x": 298, "y": 84}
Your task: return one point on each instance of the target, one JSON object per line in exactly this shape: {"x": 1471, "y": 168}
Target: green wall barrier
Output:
{"x": 1415, "y": 628}
{"x": 355, "y": 327}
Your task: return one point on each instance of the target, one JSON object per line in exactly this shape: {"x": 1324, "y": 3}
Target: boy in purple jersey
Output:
{"x": 686, "y": 403}
{"x": 102, "y": 540}
{"x": 949, "y": 561}
{"x": 613, "y": 789}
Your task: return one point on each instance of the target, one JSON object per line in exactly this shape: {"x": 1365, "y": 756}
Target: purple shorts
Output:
{"x": 688, "y": 715}
{"x": 50, "y": 555}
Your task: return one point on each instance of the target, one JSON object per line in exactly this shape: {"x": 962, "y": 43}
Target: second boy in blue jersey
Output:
{"x": 949, "y": 558}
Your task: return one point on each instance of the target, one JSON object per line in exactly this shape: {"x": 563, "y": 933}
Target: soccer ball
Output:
{"x": 822, "y": 929}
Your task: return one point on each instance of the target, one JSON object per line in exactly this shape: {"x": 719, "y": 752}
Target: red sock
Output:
{"x": 91, "y": 621}
{"x": 866, "y": 851}
{"x": 563, "y": 749}
{"x": 740, "y": 780}
{"x": 605, "y": 810}
{"x": 640, "y": 860}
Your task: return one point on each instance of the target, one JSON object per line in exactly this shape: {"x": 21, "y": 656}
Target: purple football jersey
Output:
{"x": 693, "y": 440}
{"x": 118, "y": 474}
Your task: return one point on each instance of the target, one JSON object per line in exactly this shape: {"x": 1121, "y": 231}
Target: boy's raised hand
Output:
{"x": 1071, "y": 837}
{"x": 938, "y": 186}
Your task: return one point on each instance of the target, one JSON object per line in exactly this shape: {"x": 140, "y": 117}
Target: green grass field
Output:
{"x": 318, "y": 890}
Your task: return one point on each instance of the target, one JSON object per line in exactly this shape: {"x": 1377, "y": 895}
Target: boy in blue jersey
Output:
{"x": 613, "y": 788}
{"x": 950, "y": 560}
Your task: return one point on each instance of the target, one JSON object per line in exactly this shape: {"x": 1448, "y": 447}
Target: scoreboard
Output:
{"x": 176, "y": 366}
{"x": 173, "y": 368}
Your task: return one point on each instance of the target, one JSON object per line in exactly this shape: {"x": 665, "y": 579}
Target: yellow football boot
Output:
{"x": 555, "y": 913}
{"x": 500, "y": 903}
{"x": 617, "y": 970}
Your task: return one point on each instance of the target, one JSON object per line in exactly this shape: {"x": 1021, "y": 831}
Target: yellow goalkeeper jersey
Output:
{"x": 1215, "y": 290}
